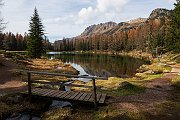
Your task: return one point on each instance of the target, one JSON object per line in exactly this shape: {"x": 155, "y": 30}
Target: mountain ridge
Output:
{"x": 139, "y": 32}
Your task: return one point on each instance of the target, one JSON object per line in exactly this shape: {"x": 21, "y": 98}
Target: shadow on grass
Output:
{"x": 128, "y": 89}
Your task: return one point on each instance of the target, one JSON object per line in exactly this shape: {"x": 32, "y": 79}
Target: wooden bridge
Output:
{"x": 87, "y": 97}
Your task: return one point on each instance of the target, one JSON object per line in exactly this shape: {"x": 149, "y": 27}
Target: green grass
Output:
{"x": 146, "y": 77}
{"x": 125, "y": 90}
{"x": 176, "y": 82}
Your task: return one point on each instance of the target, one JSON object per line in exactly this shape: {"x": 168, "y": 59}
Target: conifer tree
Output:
{"x": 35, "y": 36}
{"x": 173, "y": 39}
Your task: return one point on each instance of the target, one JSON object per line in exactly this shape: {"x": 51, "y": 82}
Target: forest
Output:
{"x": 155, "y": 32}
{"x": 18, "y": 42}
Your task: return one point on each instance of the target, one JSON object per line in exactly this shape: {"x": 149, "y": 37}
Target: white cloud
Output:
{"x": 68, "y": 18}
{"x": 171, "y": 1}
{"x": 104, "y": 9}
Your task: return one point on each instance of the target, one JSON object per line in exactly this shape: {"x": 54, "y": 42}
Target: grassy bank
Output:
{"x": 116, "y": 88}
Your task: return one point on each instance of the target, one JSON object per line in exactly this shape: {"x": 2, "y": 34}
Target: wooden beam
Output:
{"x": 59, "y": 83}
{"x": 29, "y": 85}
{"x": 65, "y": 75}
{"x": 94, "y": 93}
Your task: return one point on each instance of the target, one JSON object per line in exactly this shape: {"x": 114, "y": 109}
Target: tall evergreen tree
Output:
{"x": 173, "y": 39}
{"x": 35, "y": 37}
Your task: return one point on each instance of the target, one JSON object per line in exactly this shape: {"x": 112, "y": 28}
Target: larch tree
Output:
{"x": 35, "y": 36}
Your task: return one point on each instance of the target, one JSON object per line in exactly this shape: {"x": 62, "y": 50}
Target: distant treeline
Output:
{"x": 143, "y": 38}
{"x": 18, "y": 42}
{"x": 146, "y": 36}
{"x": 9, "y": 41}
{"x": 160, "y": 30}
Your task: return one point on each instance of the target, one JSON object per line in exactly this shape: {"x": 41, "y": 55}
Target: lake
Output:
{"x": 99, "y": 64}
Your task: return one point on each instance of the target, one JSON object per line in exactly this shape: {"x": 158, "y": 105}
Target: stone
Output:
{"x": 149, "y": 72}
{"x": 15, "y": 99}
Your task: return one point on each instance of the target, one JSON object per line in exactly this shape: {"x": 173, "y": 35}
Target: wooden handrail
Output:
{"x": 65, "y": 75}
{"x": 60, "y": 83}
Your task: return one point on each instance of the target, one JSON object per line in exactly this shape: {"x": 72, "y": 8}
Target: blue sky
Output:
{"x": 68, "y": 18}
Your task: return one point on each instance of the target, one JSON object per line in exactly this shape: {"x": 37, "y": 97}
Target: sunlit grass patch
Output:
{"x": 113, "y": 86}
{"x": 145, "y": 77}
{"x": 176, "y": 82}
{"x": 112, "y": 112}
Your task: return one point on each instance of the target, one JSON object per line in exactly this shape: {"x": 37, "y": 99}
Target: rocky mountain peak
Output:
{"x": 138, "y": 20}
{"x": 159, "y": 13}
{"x": 98, "y": 29}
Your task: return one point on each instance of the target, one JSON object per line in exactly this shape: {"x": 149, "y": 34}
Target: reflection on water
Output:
{"x": 101, "y": 65}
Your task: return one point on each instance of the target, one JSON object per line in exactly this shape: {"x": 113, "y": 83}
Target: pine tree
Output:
{"x": 173, "y": 39}
{"x": 35, "y": 36}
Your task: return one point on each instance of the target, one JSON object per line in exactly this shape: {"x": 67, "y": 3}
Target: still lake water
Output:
{"x": 100, "y": 65}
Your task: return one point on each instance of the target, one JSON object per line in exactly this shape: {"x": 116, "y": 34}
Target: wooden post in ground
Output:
{"x": 94, "y": 93}
{"x": 29, "y": 85}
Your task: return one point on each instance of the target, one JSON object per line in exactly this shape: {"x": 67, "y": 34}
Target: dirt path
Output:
{"x": 8, "y": 82}
{"x": 157, "y": 92}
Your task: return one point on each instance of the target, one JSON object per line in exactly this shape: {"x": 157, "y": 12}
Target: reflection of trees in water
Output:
{"x": 104, "y": 65}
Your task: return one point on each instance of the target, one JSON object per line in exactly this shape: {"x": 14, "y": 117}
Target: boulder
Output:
{"x": 15, "y": 99}
{"x": 149, "y": 72}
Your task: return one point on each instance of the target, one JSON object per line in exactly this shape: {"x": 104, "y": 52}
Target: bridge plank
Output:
{"x": 91, "y": 99}
{"x": 56, "y": 93}
{"x": 48, "y": 92}
{"x": 52, "y": 93}
{"x": 60, "y": 94}
{"x": 64, "y": 95}
{"x": 78, "y": 96}
{"x": 69, "y": 95}
{"x": 83, "y": 96}
{"x": 88, "y": 97}
{"x": 39, "y": 91}
{"x": 102, "y": 99}
{"x": 98, "y": 97}
{"x": 73, "y": 96}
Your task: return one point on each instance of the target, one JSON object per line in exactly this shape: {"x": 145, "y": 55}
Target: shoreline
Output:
{"x": 144, "y": 87}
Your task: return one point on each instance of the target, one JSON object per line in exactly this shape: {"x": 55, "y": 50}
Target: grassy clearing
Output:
{"x": 112, "y": 86}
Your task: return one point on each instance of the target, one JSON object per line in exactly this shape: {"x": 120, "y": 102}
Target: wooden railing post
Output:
{"x": 94, "y": 93}
{"x": 29, "y": 85}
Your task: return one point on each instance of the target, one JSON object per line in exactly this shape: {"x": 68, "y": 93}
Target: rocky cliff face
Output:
{"x": 133, "y": 34}
{"x": 98, "y": 29}
{"x": 159, "y": 13}
{"x": 112, "y": 27}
